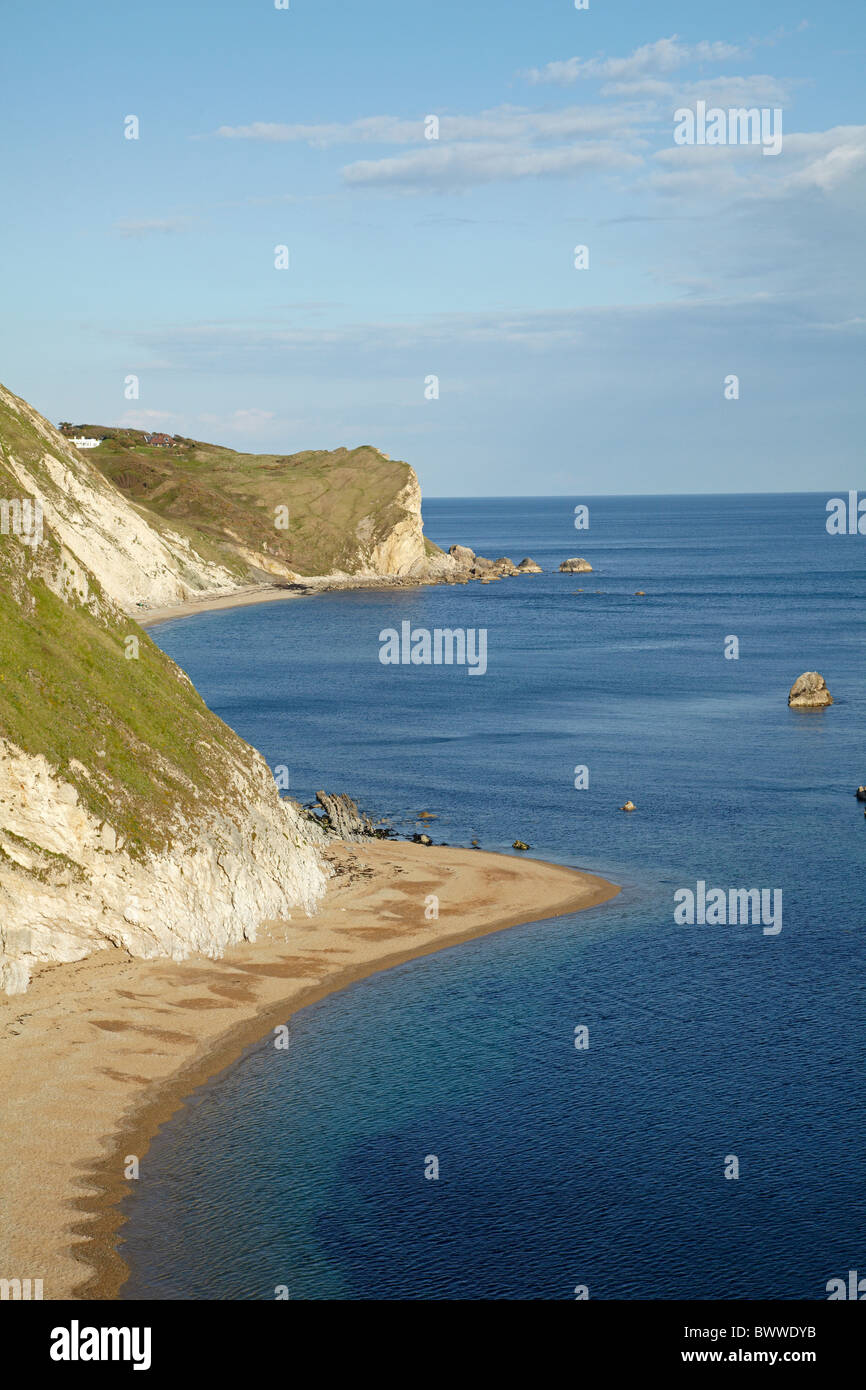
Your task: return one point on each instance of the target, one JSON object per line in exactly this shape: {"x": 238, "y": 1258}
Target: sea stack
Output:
{"x": 575, "y": 566}
{"x": 809, "y": 691}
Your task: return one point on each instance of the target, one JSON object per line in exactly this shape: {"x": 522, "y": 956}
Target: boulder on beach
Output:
{"x": 575, "y": 566}
{"x": 528, "y": 566}
{"x": 809, "y": 691}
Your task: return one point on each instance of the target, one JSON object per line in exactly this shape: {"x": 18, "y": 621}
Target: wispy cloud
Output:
{"x": 499, "y": 123}
{"x": 649, "y": 61}
{"x": 456, "y": 167}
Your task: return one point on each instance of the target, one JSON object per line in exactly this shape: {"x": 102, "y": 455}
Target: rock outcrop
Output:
{"x": 342, "y": 817}
{"x": 809, "y": 691}
{"x": 575, "y": 566}
{"x": 130, "y": 815}
{"x": 465, "y": 565}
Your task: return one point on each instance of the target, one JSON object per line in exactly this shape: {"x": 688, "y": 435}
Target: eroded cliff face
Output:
{"x": 69, "y": 886}
{"x": 133, "y": 561}
{"x": 130, "y": 815}
{"x": 402, "y": 550}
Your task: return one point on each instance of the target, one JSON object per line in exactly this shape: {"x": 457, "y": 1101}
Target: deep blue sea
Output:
{"x": 559, "y": 1167}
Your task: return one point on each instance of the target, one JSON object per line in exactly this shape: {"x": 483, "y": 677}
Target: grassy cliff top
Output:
{"x": 339, "y": 501}
{"x": 132, "y": 735}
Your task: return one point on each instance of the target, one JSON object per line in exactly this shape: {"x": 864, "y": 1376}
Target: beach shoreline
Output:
{"x": 253, "y": 594}
{"x": 98, "y": 1054}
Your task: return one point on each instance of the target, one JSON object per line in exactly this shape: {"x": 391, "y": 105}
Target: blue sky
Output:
{"x": 411, "y": 257}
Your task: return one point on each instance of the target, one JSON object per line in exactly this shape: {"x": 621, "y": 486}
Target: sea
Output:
{"x": 620, "y": 1104}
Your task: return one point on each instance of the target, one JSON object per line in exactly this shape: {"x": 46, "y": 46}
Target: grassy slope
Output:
{"x": 218, "y": 496}
{"x": 153, "y": 749}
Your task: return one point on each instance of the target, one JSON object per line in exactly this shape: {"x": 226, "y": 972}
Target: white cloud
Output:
{"x": 388, "y": 130}
{"x": 454, "y": 167}
{"x": 822, "y": 161}
{"x": 499, "y": 123}
{"x": 650, "y": 60}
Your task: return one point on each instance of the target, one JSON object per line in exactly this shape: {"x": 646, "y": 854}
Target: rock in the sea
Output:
{"x": 860, "y": 793}
{"x": 575, "y": 566}
{"x": 809, "y": 691}
{"x": 520, "y": 844}
{"x": 528, "y": 566}
{"x": 629, "y": 806}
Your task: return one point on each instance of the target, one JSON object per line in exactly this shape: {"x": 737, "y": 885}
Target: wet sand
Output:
{"x": 98, "y": 1054}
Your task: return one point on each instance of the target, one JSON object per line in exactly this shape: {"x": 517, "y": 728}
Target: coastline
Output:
{"x": 237, "y": 598}
{"x": 98, "y": 1054}
{"x": 251, "y": 594}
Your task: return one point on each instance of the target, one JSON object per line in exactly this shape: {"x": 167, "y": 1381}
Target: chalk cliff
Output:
{"x": 130, "y": 815}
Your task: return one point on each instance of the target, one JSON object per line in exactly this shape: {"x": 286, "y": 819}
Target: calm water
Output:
{"x": 560, "y": 1167}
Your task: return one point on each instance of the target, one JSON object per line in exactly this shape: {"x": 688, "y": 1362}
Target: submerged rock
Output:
{"x": 520, "y": 844}
{"x": 809, "y": 691}
{"x": 575, "y": 566}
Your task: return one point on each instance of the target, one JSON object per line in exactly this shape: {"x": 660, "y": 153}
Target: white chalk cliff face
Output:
{"x": 133, "y": 562}
{"x": 402, "y": 552}
{"x": 68, "y": 887}
{"x": 130, "y": 816}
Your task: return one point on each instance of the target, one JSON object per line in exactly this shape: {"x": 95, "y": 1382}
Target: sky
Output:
{"x": 412, "y": 258}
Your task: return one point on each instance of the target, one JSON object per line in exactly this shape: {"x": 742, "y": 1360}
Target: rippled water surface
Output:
{"x": 559, "y": 1167}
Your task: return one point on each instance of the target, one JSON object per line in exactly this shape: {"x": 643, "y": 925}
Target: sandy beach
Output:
{"x": 238, "y": 598}
{"x": 251, "y": 594}
{"x": 96, "y": 1055}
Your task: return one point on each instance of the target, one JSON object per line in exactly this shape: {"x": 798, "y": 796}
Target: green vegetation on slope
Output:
{"x": 338, "y": 501}
{"x": 151, "y": 748}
